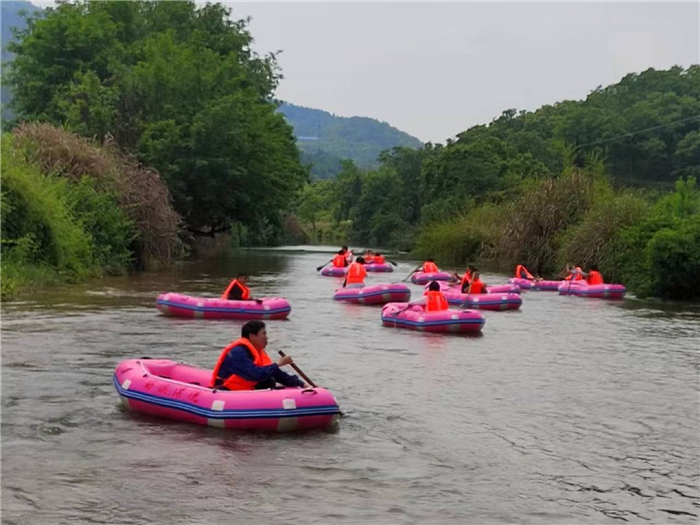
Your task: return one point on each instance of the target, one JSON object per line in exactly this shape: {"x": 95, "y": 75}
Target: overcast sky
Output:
{"x": 435, "y": 69}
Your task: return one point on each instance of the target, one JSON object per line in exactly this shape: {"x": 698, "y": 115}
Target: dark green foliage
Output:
{"x": 109, "y": 228}
{"x": 180, "y": 87}
{"x": 674, "y": 260}
{"x": 658, "y": 255}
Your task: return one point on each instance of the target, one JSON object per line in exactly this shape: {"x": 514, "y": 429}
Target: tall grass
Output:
{"x": 536, "y": 220}
{"x": 464, "y": 239}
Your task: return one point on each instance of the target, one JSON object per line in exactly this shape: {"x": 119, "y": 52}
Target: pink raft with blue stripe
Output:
{"x": 334, "y": 271}
{"x": 426, "y": 277}
{"x": 529, "y": 284}
{"x": 374, "y": 294}
{"x": 481, "y": 301}
{"x": 173, "y": 390}
{"x": 593, "y": 291}
{"x": 374, "y": 267}
{"x": 416, "y": 318}
{"x": 179, "y": 305}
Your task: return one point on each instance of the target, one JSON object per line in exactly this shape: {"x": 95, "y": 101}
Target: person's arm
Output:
{"x": 416, "y": 302}
{"x": 286, "y": 379}
{"x": 241, "y": 364}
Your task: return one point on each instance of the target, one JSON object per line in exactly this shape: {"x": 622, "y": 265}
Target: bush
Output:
{"x": 37, "y": 224}
{"x": 462, "y": 240}
{"x": 111, "y": 231}
{"x": 56, "y": 230}
{"x": 140, "y": 191}
{"x": 591, "y": 241}
{"x": 674, "y": 261}
{"x": 536, "y": 221}
{"x": 636, "y": 255}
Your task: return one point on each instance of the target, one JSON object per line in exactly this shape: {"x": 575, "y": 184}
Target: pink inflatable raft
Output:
{"x": 179, "y": 391}
{"x": 333, "y": 271}
{"x": 374, "y": 294}
{"x": 547, "y": 286}
{"x": 179, "y": 305}
{"x": 528, "y": 284}
{"x": 416, "y": 318}
{"x": 425, "y": 278}
{"x": 524, "y": 284}
{"x": 374, "y": 267}
{"x": 483, "y": 301}
{"x": 596, "y": 291}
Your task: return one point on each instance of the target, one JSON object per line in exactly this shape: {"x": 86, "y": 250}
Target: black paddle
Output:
{"x": 298, "y": 370}
{"x": 409, "y": 275}
{"x": 319, "y": 268}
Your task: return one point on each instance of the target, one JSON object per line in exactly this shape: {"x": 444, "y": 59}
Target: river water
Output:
{"x": 570, "y": 410}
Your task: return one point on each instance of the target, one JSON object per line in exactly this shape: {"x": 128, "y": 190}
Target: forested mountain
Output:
{"x": 326, "y": 139}
{"x": 11, "y": 13}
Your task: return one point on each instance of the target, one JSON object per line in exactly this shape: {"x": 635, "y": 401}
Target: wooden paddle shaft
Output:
{"x": 298, "y": 370}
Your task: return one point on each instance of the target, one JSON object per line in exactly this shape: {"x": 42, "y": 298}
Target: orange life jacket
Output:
{"x": 246, "y": 291}
{"x": 578, "y": 275}
{"x": 430, "y": 267}
{"x": 519, "y": 269}
{"x": 356, "y": 274}
{"x": 339, "y": 261}
{"x": 379, "y": 259}
{"x": 595, "y": 277}
{"x": 467, "y": 278}
{"x": 369, "y": 259}
{"x": 234, "y": 382}
{"x": 436, "y": 302}
{"x": 477, "y": 287}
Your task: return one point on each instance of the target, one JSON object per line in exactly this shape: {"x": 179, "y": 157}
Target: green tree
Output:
{"x": 178, "y": 86}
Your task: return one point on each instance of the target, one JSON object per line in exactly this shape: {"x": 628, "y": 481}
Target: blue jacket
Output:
{"x": 240, "y": 362}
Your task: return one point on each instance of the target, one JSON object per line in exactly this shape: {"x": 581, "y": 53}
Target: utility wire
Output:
{"x": 688, "y": 119}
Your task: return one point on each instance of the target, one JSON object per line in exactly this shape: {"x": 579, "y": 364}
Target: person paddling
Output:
{"x": 355, "y": 276}
{"x": 466, "y": 279}
{"x": 429, "y": 266}
{"x": 476, "y": 286}
{"x": 522, "y": 273}
{"x": 244, "y": 364}
{"x": 593, "y": 276}
{"x": 340, "y": 260}
{"x": 433, "y": 299}
{"x": 238, "y": 291}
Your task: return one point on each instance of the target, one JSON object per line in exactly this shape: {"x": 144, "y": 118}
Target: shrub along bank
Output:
{"x": 72, "y": 210}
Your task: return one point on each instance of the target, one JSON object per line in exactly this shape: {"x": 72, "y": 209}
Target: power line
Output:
{"x": 688, "y": 119}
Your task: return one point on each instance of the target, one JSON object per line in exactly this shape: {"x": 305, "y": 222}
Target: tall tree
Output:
{"x": 177, "y": 85}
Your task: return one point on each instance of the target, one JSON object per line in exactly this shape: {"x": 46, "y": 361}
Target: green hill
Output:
{"x": 326, "y": 139}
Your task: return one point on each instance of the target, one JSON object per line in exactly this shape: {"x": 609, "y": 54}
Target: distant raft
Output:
{"x": 374, "y": 294}
{"x": 503, "y": 288}
{"x": 334, "y": 271}
{"x": 179, "y": 305}
{"x": 594, "y": 291}
{"x": 547, "y": 286}
{"x": 482, "y": 301}
{"x": 416, "y": 318}
{"x": 179, "y": 391}
{"x": 426, "y": 277}
{"x": 374, "y": 267}
{"x": 524, "y": 284}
